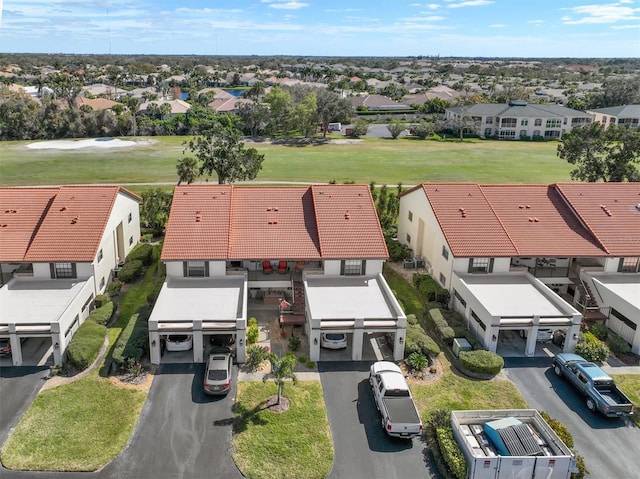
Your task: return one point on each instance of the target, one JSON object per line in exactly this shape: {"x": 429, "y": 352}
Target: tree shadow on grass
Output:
{"x": 245, "y": 417}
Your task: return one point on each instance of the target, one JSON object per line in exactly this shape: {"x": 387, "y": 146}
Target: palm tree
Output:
{"x": 281, "y": 370}
{"x": 187, "y": 169}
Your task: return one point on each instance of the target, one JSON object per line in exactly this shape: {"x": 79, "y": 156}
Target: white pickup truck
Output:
{"x": 393, "y": 399}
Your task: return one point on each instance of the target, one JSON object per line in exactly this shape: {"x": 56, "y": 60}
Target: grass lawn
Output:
{"x": 80, "y": 426}
{"x": 630, "y": 385}
{"x": 295, "y": 444}
{"x": 454, "y": 391}
{"x": 405, "y": 160}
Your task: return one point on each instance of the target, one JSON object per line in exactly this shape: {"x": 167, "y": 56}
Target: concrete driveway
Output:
{"x": 362, "y": 448}
{"x": 610, "y": 447}
{"x": 181, "y": 433}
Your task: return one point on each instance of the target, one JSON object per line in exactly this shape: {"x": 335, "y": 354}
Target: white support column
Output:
{"x": 241, "y": 340}
{"x": 398, "y": 344}
{"x": 57, "y": 342}
{"x": 16, "y": 349}
{"x": 571, "y": 339}
{"x": 493, "y": 339}
{"x": 154, "y": 343}
{"x": 314, "y": 339}
{"x": 198, "y": 347}
{"x": 532, "y": 337}
{"x": 356, "y": 349}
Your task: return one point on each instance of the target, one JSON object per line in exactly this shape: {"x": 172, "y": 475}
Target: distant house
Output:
{"x": 376, "y": 103}
{"x": 524, "y": 257}
{"x": 58, "y": 247}
{"x": 228, "y": 105}
{"x": 519, "y": 119}
{"x": 177, "y": 106}
{"x": 97, "y": 104}
{"x": 625, "y": 115}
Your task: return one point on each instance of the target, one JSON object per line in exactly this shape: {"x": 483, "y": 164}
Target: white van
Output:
{"x": 334, "y": 127}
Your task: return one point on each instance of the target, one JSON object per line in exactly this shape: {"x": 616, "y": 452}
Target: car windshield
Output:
{"x": 335, "y": 337}
{"x": 178, "y": 339}
{"x": 217, "y": 375}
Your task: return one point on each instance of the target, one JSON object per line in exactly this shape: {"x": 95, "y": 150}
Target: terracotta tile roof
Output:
{"x": 273, "y": 223}
{"x": 611, "y": 212}
{"x": 21, "y": 211}
{"x": 74, "y": 224}
{"x": 348, "y": 225}
{"x": 539, "y": 222}
{"x": 198, "y": 225}
{"x": 566, "y": 219}
{"x": 96, "y": 103}
{"x": 467, "y": 220}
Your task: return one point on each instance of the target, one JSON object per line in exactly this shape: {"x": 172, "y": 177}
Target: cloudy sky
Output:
{"x": 491, "y": 28}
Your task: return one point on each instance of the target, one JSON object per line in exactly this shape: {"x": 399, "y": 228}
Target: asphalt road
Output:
{"x": 610, "y": 447}
{"x": 181, "y": 433}
{"x": 362, "y": 448}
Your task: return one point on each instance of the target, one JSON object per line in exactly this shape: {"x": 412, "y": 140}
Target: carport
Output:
{"x": 201, "y": 307}
{"x": 354, "y": 305}
{"x": 621, "y": 292}
{"x": 512, "y": 301}
{"x": 49, "y": 310}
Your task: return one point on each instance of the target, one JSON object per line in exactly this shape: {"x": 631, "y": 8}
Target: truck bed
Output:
{"x": 613, "y": 397}
{"x": 401, "y": 410}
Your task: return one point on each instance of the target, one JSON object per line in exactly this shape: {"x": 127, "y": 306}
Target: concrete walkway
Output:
{"x": 302, "y": 376}
{"x": 613, "y": 366}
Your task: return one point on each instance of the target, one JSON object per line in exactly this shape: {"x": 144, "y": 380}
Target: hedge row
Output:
{"x": 101, "y": 300}
{"x": 429, "y": 290}
{"x": 591, "y": 348}
{"x": 131, "y": 271}
{"x": 85, "y": 344}
{"x": 481, "y": 361}
{"x": 417, "y": 341}
{"x": 443, "y": 329}
{"x": 103, "y": 314}
{"x": 451, "y": 452}
{"x": 565, "y": 436}
{"x": 142, "y": 252}
{"x": 132, "y": 341}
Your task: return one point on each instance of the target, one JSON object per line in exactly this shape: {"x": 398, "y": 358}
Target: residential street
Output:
{"x": 362, "y": 448}
{"x": 610, "y": 447}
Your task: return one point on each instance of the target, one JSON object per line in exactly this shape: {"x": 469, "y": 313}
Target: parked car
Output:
{"x": 333, "y": 340}
{"x": 179, "y": 342}
{"x": 5, "y": 348}
{"x": 544, "y": 334}
{"x": 222, "y": 339}
{"x": 217, "y": 377}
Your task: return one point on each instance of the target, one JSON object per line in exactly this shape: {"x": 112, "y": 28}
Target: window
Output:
{"x": 408, "y": 238}
{"x": 130, "y": 218}
{"x": 604, "y": 120}
{"x": 352, "y": 267}
{"x": 523, "y": 133}
{"x": 554, "y": 123}
{"x": 100, "y": 255}
{"x": 480, "y": 265}
{"x": 478, "y": 320}
{"x": 489, "y": 120}
{"x": 509, "y": 122}
{"x": 410, "y": 215}
{"x": 443, "y": 280}
{"x": 551, "y": 134}
{"x": 130, "y": 240}
{"x": 196, "y": 269}
{"x": 538, "y": 122}
{"x": 564, "y": 122}
{"x": 63, "y": 270}
{"x": 618, "y": 315}
{"x": 536, "y": 133}
{"x": 102, "y": 283}
{"x": 488, "y": 132}
{"x": 524, "y": 122}
{"x": 508, "y": 134}
{"x": 445, "y": 252}
{"x": 628, "y": 265}
{"x": 460, "y": 298}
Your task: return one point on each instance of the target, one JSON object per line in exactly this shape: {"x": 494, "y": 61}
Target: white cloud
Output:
{"x": 590, "y": 14}
{"x": 292, "y": 5}
{"x": 497, "y": 25}
{"x": 470, "y": 3}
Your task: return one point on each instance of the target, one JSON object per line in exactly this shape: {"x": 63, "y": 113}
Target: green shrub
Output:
{"x": 85, "y": 344}
{"x": 155, "y": 292}
{"x": 443, "y": 329}
{"x": 591, "y": 348}
{"x": 293, "y": 342}
{"x": 451, "y": 452}
{"x": 482, "y": 361}
{"x": 473, "y": 340}
{"x": 560, "y": 429}
{"x": 417, "y": 341}
{"x": 302, "y": 359}
{"x": 255, "y": 356}
{"x": 131, "y": 271}
{"x": 253, "y": 333}
{"x": 114, "y": 288}
{"x": 617, "y": 345}
{"x": 142, "y": 252}
{"x": 101, "y": 299}
{"x": 311, "y": 364}
{"x": 599, "y": 330}
{"x": 411, "y": 319}
{"x": 397, "y": 251}
{"x": 416, "y": 362}
{"x": 102, "y": 315}
{"x": 429, "y": 290}
{"x": 132, "y": 341}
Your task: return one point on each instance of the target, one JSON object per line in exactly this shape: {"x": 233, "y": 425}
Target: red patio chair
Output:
{"x": 266, "y": 267}
{"x": 282, "y": 267}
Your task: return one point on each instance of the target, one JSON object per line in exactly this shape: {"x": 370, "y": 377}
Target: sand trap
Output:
{"x": 77, "y": 144}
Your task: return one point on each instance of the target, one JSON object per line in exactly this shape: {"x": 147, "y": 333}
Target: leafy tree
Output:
{"x": 154, "y": 211}
{"x": 65, "y": 87}
{"x": 396, "y": 127}
{"x": 305, "y": 114}
{"x": 577, "y": 103}
{"x": 254, "y": 117}
{"x": 463, "y": 124}
{"x": 221, "y": 150}
{"x": 132, "y": 104}
{"x": 359, "y": 128}
{"x": 187, "y": 169}
{"x": 332, "y": 108}
{"x": 256, "y": 90}
{"x": 280, "y": 105}
{"x": 436, "y": 105}
{"x": 617, "y": 91}
{"x": 602, "y": 154}
{"x": 424, "y": 129}
{"x": 281, "y": 370}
